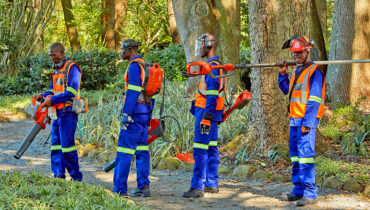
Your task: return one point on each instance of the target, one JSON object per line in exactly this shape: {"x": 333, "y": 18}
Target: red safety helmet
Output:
{"x": 298, "y": 43}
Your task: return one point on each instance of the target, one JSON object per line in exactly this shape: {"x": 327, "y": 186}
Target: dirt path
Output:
{"x": 167, "y": 187}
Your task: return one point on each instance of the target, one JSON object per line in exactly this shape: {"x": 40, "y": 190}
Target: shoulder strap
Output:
{"x": 68, "y": 64}
{"x": 297, "y": 76}
{"x": 216, "y": 61}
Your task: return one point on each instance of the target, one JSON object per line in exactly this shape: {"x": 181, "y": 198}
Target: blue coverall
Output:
{"x": 302, "y": 146}
{"x": 205, "y": 172}
{"x": 134, "y": 139}
{"x": 63, "y": 148}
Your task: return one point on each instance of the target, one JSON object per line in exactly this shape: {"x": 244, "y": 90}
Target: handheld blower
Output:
{"x": 41, "y": 117}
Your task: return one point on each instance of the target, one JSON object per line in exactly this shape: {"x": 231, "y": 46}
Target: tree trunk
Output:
{"x": 338, "y": 76}
{"x": 318, "y": 13}
{"x": 221, "y": 18}
{"x": 173, "y": 27}
{"x": 120, "y": 17}
{"x": 270, "y": 25}
{"x": 360, "y": 78}
{"x": 108, "y": 24}
{"x": 71, "y": 26}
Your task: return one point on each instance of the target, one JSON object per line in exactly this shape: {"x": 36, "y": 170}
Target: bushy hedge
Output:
{"x": 100, "y": 69}
{"x": 172, "y": 60}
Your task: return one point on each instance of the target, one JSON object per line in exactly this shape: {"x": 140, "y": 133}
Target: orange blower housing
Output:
{"x": 153, "y": 79}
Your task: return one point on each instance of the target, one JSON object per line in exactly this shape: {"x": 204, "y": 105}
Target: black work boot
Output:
{"x": 304, "y": 201}
{"x": 291, "y": 197}
{"x": 193, "y": 193}
{"x": 144, "y": 192}
{"x": 211, "y": 189}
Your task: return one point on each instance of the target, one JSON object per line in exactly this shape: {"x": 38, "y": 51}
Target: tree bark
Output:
{"x": 71, "y": 26}
{"x": 271, "y": 23}
{"x": 338, "y": 76}
{"x": 120, "y": 17}
{"x": 318, "y": 28}
{"x": 173, "y": 27}
{"x": 221, "y": 18}
{"x": 108, "y": 24}
{"x": 360, "y": 78}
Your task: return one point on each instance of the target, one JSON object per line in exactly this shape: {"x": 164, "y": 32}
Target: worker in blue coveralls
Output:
{"x": 306, "y": 89}
{"x": 208, "y": 111}
{"x": 136, "y": 114}
{"x": 64, "y": 86}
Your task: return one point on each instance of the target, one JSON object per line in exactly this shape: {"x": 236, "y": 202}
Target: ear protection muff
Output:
{"x": 130, "y": 44}
{"x": 207, "y": 42}
{"x": 60, "y": 64}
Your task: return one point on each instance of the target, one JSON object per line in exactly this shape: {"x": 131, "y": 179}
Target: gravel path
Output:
{"x": 167, "y": 187}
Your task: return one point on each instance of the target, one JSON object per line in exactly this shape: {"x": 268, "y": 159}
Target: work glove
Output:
{"x": 205, "y": 124}
{"x": 126, "y": 120}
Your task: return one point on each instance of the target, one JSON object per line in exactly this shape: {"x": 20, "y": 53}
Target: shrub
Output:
{"x": 98, "y": 67}
{"x": 172, "y": 60}
{"x": 348, "y": 127}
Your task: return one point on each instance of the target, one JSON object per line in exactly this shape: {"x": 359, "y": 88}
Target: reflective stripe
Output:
{"x": 70, "y": 89}
{"x": 59, "y": 82}
{"x": 298, "y": 86}
{"x": 306, "y": 160}
{"x": 153, "y": 97}
{"x": 212, "y": 143}
{"x": 134, "y": 87}
{"x": 212, "y": 92}
{"x": 200, "y": 146}
{"x": 126, "y": 150}
{"x": 315, "y": 98}
{"x": 144, "y": 147}
{"x": 294, "y": 158}
{"x": 69, "y": 149}
{"x": 56, "y": 147}
{"x": 51, "y": 90}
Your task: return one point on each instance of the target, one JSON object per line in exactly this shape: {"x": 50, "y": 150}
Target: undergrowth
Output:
{"x": 348, "y": 128}
{"x": 34, "y": 190}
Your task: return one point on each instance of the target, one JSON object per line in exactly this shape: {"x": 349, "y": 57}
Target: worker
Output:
{"x": 136, "y": 114}
{"x": 208, "y": 111}
{"x": 64, "y": 86}
{"x": 306, "y": 89}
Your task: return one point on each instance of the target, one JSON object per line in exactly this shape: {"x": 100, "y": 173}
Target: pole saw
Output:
{"x": 202, "y": 68}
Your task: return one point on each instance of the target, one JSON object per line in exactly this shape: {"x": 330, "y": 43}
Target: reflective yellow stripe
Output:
{"x": 306, "y": 160}
{"x": 144, "y": 148}
{"x": 126, "y": 150}
{"x": 212, "y": 92}
{"x": 69, "y": 149}
{"x": 294, "y": 158}
{"x": 212, "y": 143}
{"x": 153, "y": 97}
{"x": 315, "y": 98}
{"x": 56, "y": 147}
{"x": 200, "y": 146}
{"x": 134, "y": 88}
{"x": 72, "y": 90}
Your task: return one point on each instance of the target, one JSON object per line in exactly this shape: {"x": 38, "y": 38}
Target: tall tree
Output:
{"x": 361, "y": 50}
{"x": 337, "y": 81}
{"x": 318, "y": 31}
{"x": 108, "y": 23}
{"x": 71, "y": 25}
{"x": 120, "y": 19}
{"x": 173, "y": 27}
{"x": 20, "y": 27}
{"x": 270, "y": 25}
{"x": 221, "y": 18}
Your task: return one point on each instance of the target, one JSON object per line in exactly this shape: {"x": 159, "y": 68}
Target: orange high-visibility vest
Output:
{"x": 141, "y": 98}
{"x": 201, "y": 94}
{"x": 301, "y": 94}
{"x": 60, "y": 81}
